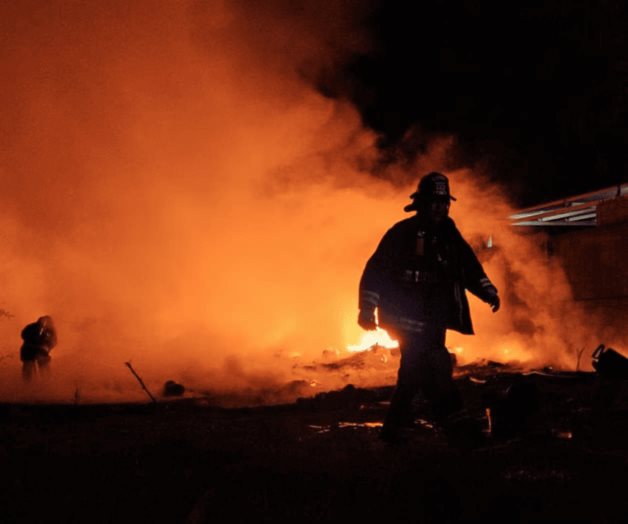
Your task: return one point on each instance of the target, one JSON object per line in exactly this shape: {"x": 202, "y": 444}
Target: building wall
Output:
{"x": 596, "y": 261}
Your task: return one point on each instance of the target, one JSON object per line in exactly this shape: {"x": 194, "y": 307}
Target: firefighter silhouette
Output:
{"x": 417, "y": 280}
{"x": 39, "y": 338}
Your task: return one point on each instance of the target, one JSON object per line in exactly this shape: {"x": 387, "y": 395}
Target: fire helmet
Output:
{"x": 45, "y": 321}
{"x": 434, "y": 185}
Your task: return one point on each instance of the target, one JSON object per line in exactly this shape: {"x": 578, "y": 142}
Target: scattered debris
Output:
{"x": 578, "y": 358}
{"x": 377, "y": 357}
{"x": 508, "y": 411}
{"x": 347, "y": 396}
{"x": 562, "y": 434}
{"x": 173, "y": 389}
{"x": 330, "y": 353}
{"x": 424, "y": 423}
{"x": 482, "y": 368}
{"x": 343, "y": 425}
{"x": 360, "y": 424}
{"x": 320, "y": 429}
{"x": 489, "y": 421}
{"x": 153, "y": 399}
{"x": 609, "y": 363}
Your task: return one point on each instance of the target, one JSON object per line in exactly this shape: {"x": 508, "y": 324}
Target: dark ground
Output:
{"x": 562, "y": 455}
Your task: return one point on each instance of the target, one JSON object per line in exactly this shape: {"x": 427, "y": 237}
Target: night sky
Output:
{"x": 537, "y": 96}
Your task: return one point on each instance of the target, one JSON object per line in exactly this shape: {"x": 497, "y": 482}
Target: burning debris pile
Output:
{"x": 376, "y": 362}
{"x": 528, "y": 447}
{"x": 369, "y": 375}
{"x": 528, "y": 444}
{"x": 501, "y": 401}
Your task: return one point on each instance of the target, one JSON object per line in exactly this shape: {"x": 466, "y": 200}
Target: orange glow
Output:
{"x": 378, "y": 337}
{"x": 176, "y": 193}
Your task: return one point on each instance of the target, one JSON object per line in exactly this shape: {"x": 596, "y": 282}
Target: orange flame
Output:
{"x": 379, "y": 337}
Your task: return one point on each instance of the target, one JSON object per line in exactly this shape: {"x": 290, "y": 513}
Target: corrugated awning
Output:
{"x": 579, "y": 210}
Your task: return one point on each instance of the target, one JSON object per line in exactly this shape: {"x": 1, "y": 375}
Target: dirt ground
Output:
{"x": 556, "y": 449}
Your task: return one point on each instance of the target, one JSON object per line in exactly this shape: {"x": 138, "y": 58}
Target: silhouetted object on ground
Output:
{"x": 510, "y": 410}
{"x": 464, "y": 431}
{"x": 609, "y": 363}
{"x": 173, "y": 389}
{"x": 349, "y": 396}
{"x": 612, "y": 371}
{"x": 139, "y": 379}
{"x": 416, "y": 279}
{"x": 39, "y": 339}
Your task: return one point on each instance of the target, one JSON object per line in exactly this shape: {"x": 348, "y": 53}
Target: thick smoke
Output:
{"x": 539, "y": 324}
{"x": 175, "y": 193}
{"x": 170, "y": 186}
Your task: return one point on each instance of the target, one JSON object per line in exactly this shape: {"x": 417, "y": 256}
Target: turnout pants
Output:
{"x": 34, "y": 358}
{"x": 425, "y": 368}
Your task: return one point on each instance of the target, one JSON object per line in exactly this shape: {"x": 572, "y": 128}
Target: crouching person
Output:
{"x": 39, "y": 338}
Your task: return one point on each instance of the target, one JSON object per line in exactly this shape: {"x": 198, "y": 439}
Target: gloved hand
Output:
{"x": 366, "y": 319}
{"x": 494, "y": 301}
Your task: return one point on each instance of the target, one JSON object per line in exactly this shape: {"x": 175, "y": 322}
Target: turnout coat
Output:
{"x": 419, "y": 274}
{"x": 38, "y": 342}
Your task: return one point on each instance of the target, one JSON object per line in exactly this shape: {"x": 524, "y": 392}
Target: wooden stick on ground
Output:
{"x": 128, "y": 364}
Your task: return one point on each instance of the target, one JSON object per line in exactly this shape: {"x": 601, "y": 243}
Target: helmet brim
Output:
{"x": 416, "y": 194}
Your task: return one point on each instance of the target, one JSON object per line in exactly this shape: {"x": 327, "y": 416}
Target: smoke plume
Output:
{"x": 177, "y": 194}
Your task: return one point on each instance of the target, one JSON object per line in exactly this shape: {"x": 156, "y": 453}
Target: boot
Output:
{"x": 399, "y": 413}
